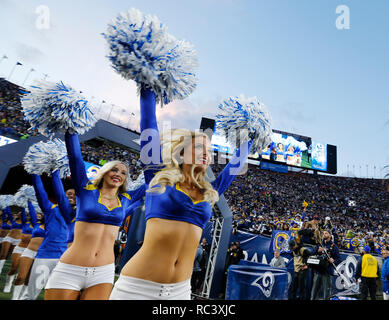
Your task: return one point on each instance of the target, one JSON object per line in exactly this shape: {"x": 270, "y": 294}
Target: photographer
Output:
{"x": 327, "y": 254}
{"x": 300, "y": 256}
{"x": 308, "y": 234}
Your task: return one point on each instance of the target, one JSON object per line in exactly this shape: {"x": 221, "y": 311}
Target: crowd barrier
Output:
{"x": 256, "y": 281}
{"x": 251, "y": 283}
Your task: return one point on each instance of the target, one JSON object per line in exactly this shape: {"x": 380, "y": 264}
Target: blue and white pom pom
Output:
{"x": 46, "y": 157}
{"x": 55, "y": 107}
{"x": 140, "y": 49}
{"x": 60, "y": 155}
{"x": 241, "y": 113}
{"x": 6, "y": 200}
{"x": 24, "y": 194}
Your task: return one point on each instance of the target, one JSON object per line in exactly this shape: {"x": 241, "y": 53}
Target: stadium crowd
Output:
{"x": 260, "y": 200}
{"x": 12, "y": 123}
{"x": 354, "y": 209}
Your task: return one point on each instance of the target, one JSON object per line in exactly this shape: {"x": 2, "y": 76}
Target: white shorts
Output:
{"x": 18, "y": 250}
{"x": 129, "y": 288}
{"x": 28, "y": 253}
{"x": 11, "y": 240}
{"x": 72, "y": 277}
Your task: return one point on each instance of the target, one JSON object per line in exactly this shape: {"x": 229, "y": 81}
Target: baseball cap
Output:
{"x": 367, "y": 249}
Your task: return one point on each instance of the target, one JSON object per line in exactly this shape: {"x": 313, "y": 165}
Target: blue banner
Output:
{"x": 256, "y": 282}
{"x": 255, "y": 247}
{"x": 274, "y": 167}
{"x": 258, "y": 248}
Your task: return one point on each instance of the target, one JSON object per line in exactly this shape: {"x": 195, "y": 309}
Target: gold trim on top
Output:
{"x": 194, "y": 201}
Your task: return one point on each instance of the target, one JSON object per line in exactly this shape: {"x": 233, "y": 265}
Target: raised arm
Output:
{"x": 136, "y": 198}
{"x": 32, "y": 213}
{"x": 76, "y": 163}
{"x": 23, "y": 216}
{"x": 233, "y": 168}
{"x": 150, "y": 143}
{"x": 41, "y": 195}
{"x": 63, "y": 203}
{"x": 130, "y": 210}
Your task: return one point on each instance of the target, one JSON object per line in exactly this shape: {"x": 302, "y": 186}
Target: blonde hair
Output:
{"x": 97, "y": 181}
{"x": 173, "y": 143}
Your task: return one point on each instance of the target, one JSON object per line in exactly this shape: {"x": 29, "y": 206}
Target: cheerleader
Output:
{"x": 19, "y": 249}
{"x": 178, "y": 204}
{"x": 53, "y": 245}
{"x": 27, "y": 258}
{"x": 5, "y": 227}
{"x": 86, "y": 270}
{"x": 66, "y": 203}
{"x": 179, "y": 199}
{"x": 10, "y": 242}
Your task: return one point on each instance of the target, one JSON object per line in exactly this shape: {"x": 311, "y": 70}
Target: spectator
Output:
{"x": 385, "y": 273}
{"x": 277, "y": 261}
{"x": 368, "y": 272}
{"x": 328, "y": 254}
{"x": 300, "y": 256}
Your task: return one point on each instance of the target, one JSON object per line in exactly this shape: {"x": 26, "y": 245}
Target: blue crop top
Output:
{"x": 174, "y": 203}
{"x": 5, "y": 216}
{"x": 88, "y": 197}
{"x": 38, "y": 230}
{"x": 5, "y": 225}
{"x": 14, "y": 224}
{"x": 54, "y": 243}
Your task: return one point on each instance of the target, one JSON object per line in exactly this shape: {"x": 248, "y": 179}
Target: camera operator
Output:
{"x": 327, "y": 254}
{"x": 300, "y": 256}
{"x": 308, "y": 234}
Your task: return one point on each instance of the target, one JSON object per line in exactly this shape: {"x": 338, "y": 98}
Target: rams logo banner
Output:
{"x": 91, "y": 169}
{"x": 280, "y": 240}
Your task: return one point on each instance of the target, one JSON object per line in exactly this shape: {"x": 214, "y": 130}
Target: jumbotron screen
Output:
{"x": 289, "y": 149}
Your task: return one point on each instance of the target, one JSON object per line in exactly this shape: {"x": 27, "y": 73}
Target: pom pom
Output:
{"x": 241, "y": 113}
{"x": 6, "y": 200}
{"x": 23, "y": 195}
{"x": 133, "y": 185}
{"x": 55, "y": 107}
{"x": 46, "y": 157}
{"x": 140, "y": 49}
{"x": 60, "y": 155}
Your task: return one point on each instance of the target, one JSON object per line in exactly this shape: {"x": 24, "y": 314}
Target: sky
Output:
{"x": 322, "y": 73}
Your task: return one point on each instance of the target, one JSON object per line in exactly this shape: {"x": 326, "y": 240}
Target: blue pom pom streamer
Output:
{"x": 241, "y": 113}
{"x": 55, "y": 107}
{"x": 140, "y": 49}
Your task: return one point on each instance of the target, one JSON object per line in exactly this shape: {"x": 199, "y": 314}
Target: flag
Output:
{"x": 280, "y": 240}
{"x": 305, "y": 204}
